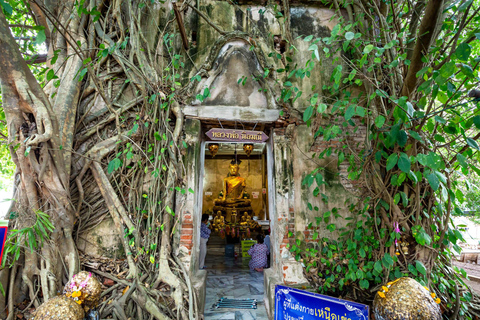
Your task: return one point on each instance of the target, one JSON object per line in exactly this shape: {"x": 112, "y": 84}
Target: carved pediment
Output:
{"x": 226, "y": 80}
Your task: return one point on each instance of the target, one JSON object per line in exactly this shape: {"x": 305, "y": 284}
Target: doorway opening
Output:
{"x": 235, "y": 196}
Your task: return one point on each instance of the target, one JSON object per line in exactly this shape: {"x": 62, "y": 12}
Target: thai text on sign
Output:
{"x": 236, "y": 135}
{"x": 294, "y": 304}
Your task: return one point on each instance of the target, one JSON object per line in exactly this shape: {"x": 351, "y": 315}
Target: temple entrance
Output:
{"x": 235, "y": 196}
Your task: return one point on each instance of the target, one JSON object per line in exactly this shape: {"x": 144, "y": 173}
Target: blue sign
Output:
{"x": 294, "y": 304}
{"x": 3, "y": 236}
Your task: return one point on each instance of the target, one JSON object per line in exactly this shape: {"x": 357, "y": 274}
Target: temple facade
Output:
{"x": 235, "y": 88}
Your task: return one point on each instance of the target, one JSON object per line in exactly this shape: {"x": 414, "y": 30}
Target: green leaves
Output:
{"x": 379, "y": 121}
{"x": 169, "y": 210}
{"x": 392, "y": 161}
{"x": 472, "y": 143}
{"x": 6, "y": 7}
{"x": 404, "y": 163}
{"x": 41, "y": 37}
{"x": 82, "y": 73}
{"x": 197, "y": 77}
{"x": 350, "y": 112}
{"x": 51, "y": 75}
{"x": 463, "y": 52}
{"x": 308, "y": 38}
{"x": 421, "y": 267}
{"x": 201, "y": 97}
{"x": 362, "y": 253}
{"x": 433, "y": 181}
{"x": 353, "y": 110}
{"x": 337, "y": 74}
{"x": 445, "y": 72}
{"x": 387, "y": 261}
{"x": 114, "y": 165}
{"x": 349, "y": 35}
{"x": 413, "y": 270}
{"x": 368, "y": 48}
{"x": 308, "y": 113}
{"x": 421, "y": 236}
{"x": 322, "y": 107}
{"x": 476, "y": 121}
{"x": 462, "y": 160}
{"x": 364, "y": 284}
{"x": 464, "y": 5}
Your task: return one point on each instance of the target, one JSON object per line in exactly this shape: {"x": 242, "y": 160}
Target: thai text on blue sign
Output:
{"x": 294, "y": 304}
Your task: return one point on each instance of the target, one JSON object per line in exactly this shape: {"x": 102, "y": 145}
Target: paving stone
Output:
{"x": 232, "y": 278}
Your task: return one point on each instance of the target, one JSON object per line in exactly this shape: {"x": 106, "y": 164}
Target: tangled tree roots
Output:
{"x": 100, "y": 142}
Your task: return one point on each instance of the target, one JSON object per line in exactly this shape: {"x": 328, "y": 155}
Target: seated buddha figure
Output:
{"x": 244, "y": 219}
{"x": 218, "y": 221}
{"x": 233, "y": 189}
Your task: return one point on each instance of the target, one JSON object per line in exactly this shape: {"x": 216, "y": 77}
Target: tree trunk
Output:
{"x": 82, "y": 143}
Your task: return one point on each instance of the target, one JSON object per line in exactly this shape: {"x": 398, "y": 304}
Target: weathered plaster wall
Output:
{"x": 337, "y": 197}
{"x": 260, "y": 27}
{"x": 188, "y": 204}
{"x": 101, "y": 242}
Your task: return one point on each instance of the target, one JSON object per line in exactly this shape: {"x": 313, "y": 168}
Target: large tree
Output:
{"x": 97, "y": 114}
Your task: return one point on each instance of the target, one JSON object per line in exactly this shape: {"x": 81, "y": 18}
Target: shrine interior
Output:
{"x": 235, "y": 195}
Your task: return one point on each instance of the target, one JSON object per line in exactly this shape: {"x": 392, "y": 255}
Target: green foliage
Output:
{"x": 30, "y": 238}
{"x": 416, "y": 141}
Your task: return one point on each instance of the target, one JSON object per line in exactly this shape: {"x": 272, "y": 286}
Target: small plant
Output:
{"x": 31, "y": 237}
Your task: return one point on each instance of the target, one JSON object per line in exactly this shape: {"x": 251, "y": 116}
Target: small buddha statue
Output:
{"x": 233, "y": 189}
{"x": 252, "y": 223}
{"x": 234, "y": 217}
{"x": 244, "y": 219}
{"x": 218, "y": 221}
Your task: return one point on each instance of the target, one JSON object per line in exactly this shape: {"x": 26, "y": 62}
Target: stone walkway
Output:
{"x": 230, "y": 278}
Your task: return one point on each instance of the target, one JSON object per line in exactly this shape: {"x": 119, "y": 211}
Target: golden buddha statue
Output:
{"x": 244, "y": 219}
{"x": 218, "y": 221}
{"x": 233, "y": 190}
{"x": 252, "y": 223}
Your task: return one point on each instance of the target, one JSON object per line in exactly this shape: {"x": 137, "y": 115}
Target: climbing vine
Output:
{"x": 407, "y": 73}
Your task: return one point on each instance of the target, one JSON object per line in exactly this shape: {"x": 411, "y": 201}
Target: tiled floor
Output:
{"x": 230, "y": 278}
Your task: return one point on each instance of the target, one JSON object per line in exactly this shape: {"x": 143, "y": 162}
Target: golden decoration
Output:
{"x": 406, "y": 299}
{"x": 213, "y": 147}
{"x": 59, "y": 306}
{"x": 248, "y": 148}
{"x": 84, "y": 289}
